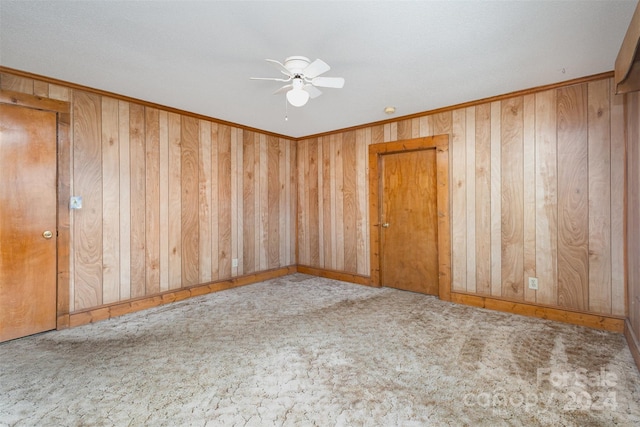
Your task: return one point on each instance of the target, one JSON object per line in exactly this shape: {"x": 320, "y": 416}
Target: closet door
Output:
{"x": 27, "y": 221}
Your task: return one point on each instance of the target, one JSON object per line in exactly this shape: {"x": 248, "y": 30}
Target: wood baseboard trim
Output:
{"x": 335, "y": 275}
{"x": 633, "y": 342}
{"x": 62, "y": 321}
{"x": 118, "y": 309}
{"x": 613, "y": 324}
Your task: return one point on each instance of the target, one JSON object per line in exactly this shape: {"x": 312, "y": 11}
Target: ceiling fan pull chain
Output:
{"x": 286, "y": 110}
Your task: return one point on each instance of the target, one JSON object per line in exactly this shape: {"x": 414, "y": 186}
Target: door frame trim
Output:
{"x": 63, "y": 190}
{"x": 441, "y": 144}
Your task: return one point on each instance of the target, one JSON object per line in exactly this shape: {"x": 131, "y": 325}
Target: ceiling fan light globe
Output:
{"x": 297, "y": 97}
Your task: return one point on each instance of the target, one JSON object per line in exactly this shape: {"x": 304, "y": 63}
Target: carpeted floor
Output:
{"x": 302, "y": 350}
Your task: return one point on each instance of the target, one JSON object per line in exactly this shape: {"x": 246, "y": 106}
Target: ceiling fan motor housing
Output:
{"x": 296, "y": 64}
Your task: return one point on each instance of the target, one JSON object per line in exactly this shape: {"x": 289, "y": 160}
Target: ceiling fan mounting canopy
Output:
{"x": 302, "y": 75}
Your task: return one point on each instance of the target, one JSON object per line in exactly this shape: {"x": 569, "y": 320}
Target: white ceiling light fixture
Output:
{"x": 297, "y": 96}
{"x": 303, "y": 78}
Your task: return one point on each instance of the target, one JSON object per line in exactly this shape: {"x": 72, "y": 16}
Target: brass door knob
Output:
{"x": 47, "y": 234}
{"x": 385, "y": 225}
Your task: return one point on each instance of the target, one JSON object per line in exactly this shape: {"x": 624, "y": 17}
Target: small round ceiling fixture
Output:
{"x": 389, "y": 110}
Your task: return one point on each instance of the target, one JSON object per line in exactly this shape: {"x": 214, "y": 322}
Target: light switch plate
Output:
{"x": 75, "y": 202}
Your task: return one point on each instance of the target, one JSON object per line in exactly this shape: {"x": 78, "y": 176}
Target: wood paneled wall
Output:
{"x": 633, "y": 215}
{"x": 169, "y": 200}
{"x": 537, "y": 190}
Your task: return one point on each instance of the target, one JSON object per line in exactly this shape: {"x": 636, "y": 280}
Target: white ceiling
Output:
{"x": 414, "y": 55}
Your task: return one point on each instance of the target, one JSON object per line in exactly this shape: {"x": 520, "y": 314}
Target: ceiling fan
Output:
{"x": 303, "y": 78}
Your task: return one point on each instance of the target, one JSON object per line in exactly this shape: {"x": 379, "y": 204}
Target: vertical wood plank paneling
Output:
{"x": 377, "y": 134}
{"x": 249, "y": 185}
{"x": 302, "y": 217}
{"x": 633, "y": 205}
{"x": 483, "y": 199}
{"x": 124, "y": 201}
{"x": 496, "y": 198}
{"x": 174, "y": 129}
{"x": 573, "y": 214}
{"x": 470, "y": 184}
{"x": 257, "y": 199}
{"x": 415, "y": 127}
{"x": 224, "y": 205}
{"x": 512, "y": 198}
{"x": 546, "y": 198}
{"x": 529, "y": 193}
{"x": 390, "y": 131}
{"x": 215, "y": 201}
{"x": 152, "y": 200}
{"x": 617, "y": 204}
{"x": 264, "y": 203}
{"x": 110, "y": 202}
{"x": 334, "y": 188}
{"x": 163, "y": 122}
{"x": 138, "y": 197}
{"x": 328, "y": 188}
{"x": 339, "y": 201}
{"x": 362, "y": 236}
{"x": 204, "y": 199}
{"x": 292, "y": 197}
{"x": 273, "y": 207}
{"x": 599, "y": 161}
{"x": 442, "y": 123}
{"x": 404, "y": 130}
{"x": 128, "y": 165}
{"x": 311, "y": 192}
{"x": 237, "y": 206}
{"x": 282, "y": 212}
{"x": 234, "y": 193}
{"x": 349, "y": 199}
{"x": 459, "y": 202}
{"x": 509, "y": 171}
{"x": 321, "y": 220}
{"x": 426, "y": 126}
{"x": 87, "y": 167}
{"x": 190, "y": 204}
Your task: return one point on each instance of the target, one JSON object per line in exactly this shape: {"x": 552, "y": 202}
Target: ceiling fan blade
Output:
{"x": 283, "y": 89}
{"x": 316, "y": 68}
{"x": 282, "y": 68}
{"x": 335, "y": 82}
{"x": 270, "y": 78}
{"x": 313, "y": 91}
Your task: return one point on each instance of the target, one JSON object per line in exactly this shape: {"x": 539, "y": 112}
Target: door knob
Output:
{"x": 47, "y": 234}
{"x": 385, "y": 225}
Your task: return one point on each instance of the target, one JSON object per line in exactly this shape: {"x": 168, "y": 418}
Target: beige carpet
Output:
{"x": 301, "y": 350}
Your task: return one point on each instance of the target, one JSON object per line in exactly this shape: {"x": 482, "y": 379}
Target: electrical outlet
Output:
{"x": 234, "y": 262}
{"x": 533, "y": 283}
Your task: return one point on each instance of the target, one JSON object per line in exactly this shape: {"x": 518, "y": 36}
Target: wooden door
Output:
{"x": 27, "y": 211}
{"x": 409, "y": 223}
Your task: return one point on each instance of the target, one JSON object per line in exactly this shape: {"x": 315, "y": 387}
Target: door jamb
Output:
{"x": 441, "y": 145}
{"x": 63, "y": 190}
